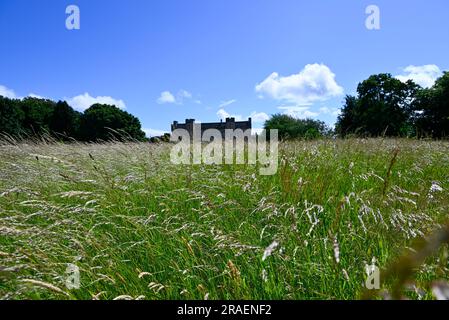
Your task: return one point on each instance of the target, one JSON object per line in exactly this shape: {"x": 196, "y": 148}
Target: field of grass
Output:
{"x": 140, "y": 227}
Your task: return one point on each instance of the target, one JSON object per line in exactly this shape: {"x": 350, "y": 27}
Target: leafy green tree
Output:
{"x": 33, "y": 116}
{"x": 103, "y": 122}
{"x": 383, "y": 106}
{"x": 64, "y": 121}
{"x": 37, "y": 115}
{"x": 11, "y": 116}
{"x": 432, "y": 109}
{"x": 347, "y": 120}
{"x": 292, "y": 128}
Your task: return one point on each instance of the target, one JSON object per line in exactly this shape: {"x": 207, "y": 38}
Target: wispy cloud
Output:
{"x": 166, "y": 97}
{"x": 227, "y": 103}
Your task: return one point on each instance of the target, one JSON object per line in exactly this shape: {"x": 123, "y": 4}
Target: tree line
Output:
{"x": 21, "y": 118}
{"x": 386, "y": 106}
{"x": 383, "y": 106}
{"x": 292, "y": 128}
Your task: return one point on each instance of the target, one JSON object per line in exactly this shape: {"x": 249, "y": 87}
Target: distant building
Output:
{"x": 230, "y": 123}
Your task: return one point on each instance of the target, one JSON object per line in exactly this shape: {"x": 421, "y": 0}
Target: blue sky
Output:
{"x": 205, "y": 59}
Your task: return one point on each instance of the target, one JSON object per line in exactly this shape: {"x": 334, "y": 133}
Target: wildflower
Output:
{"x": 336, "y": 250}
{"x": 435, "y": 188}
{"x": 264, "y": 275}
{"x": 269, "y": 250}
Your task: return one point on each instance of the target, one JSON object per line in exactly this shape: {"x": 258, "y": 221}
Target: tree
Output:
{"x": 11, "y": 116}
{"x": 432, "y": 109}
{"x": 37, "y": 115}
{"x": 103, "y": 122}
{"x": 64, "y": 121}
{"x": 291, "y": 128}
{"x": 383, "y": 106}
{"x": 347, "y": 120}
{"x": 33, "y": 116}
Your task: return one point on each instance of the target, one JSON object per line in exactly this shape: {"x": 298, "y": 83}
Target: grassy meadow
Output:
{"x": 139, "y": 227}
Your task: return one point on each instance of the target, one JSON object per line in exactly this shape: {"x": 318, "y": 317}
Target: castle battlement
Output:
{"x": 221, "y": 126}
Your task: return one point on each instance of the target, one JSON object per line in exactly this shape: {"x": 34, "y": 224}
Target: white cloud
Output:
{"x": 315, "y": 82}
{"x": 299, "y": 112}
{"x": 259, "y": 117}
{"x": 7, "y": 93}
{"x": 223, "y": 114}
{"x": 166, "y": 97}
{"x": 85, "y": 101}
{"x": 227, "y": 103}
{"x": 80, "y": 102}
{"x": 33, "y": 95}
{"x": 153, "y": 132}
{"x": 424, "y": 75}
{"x": 182, "y": 95}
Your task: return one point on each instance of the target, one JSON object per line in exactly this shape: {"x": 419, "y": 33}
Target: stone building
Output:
{"x": 230, "y": 123}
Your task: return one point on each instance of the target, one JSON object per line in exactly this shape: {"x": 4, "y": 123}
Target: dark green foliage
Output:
{"x": 382, "y": 107}
{"x": 164, "y": 138}
{"x": 385, "y": 106}
{"x": 292, "y": 128}
{"x": 37, "y": 115}
{"x": 65, "y": 121}
{"x": 33, "y": 116}
{"x": 432, "y": 107}
{"x": 11, "y": 116}
{"x": 346, "y": 122}
{"x": 101, "y": 122}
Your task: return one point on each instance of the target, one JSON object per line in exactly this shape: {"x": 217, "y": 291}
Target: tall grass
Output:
{"x": 139, "y": 227}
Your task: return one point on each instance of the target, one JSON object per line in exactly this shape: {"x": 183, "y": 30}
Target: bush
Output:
{"x": 292, "y": 128}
